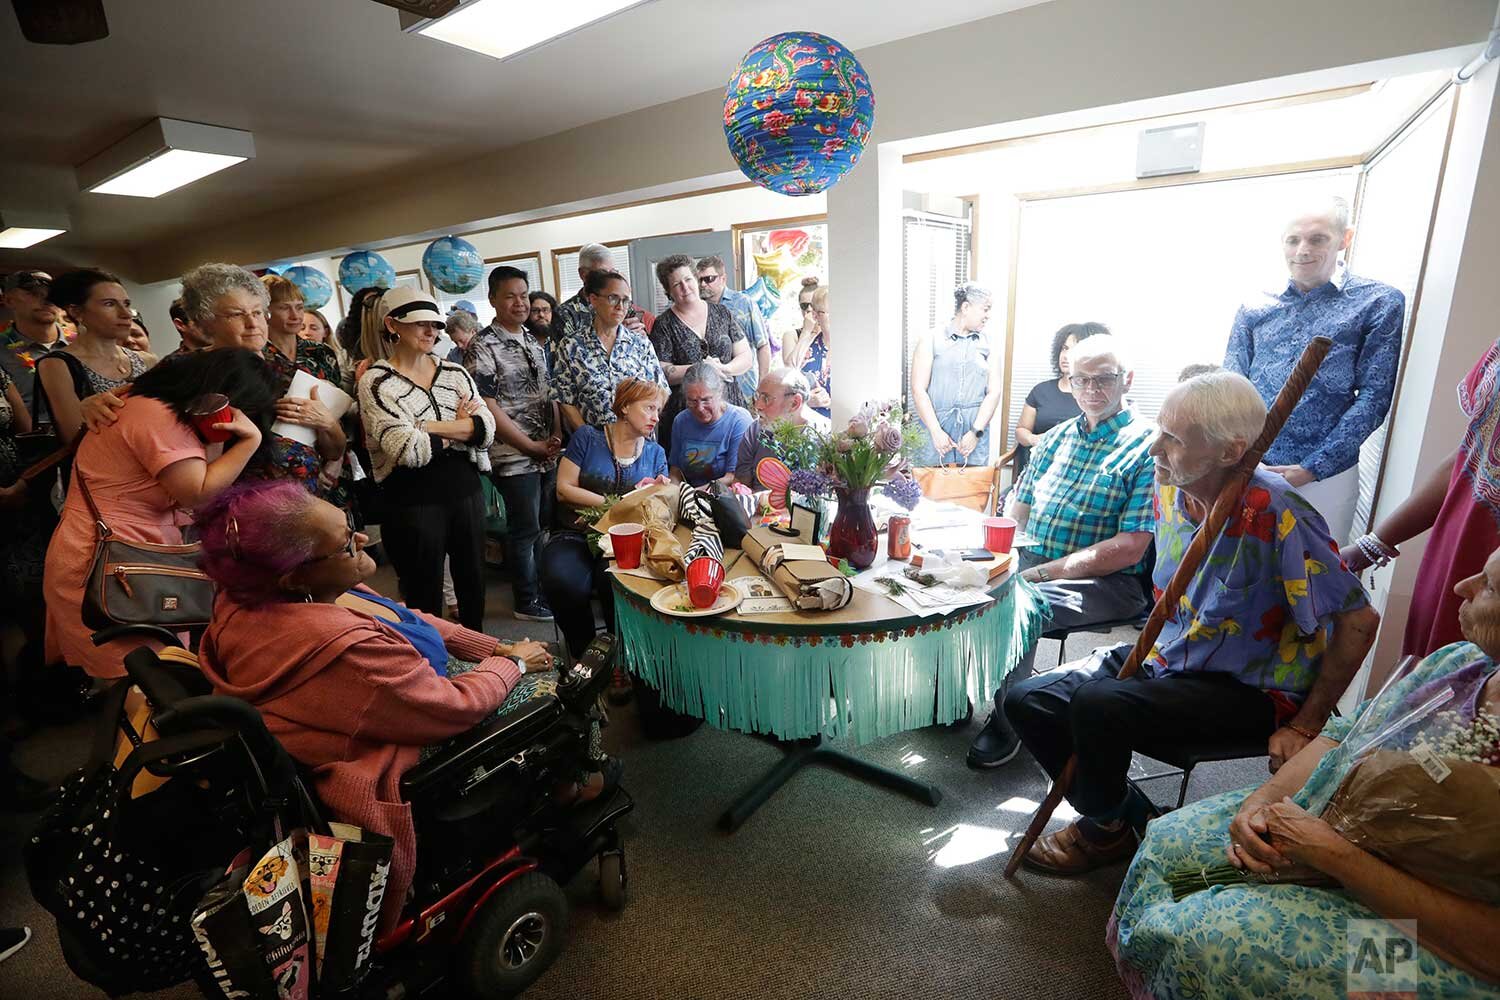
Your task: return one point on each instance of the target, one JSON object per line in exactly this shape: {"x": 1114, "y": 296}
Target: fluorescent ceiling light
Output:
{"x": 504, "y": 28}
{"x": 163, "y": 156}
{"x": 19, "y": 237}
{"x": 21, "y": 228}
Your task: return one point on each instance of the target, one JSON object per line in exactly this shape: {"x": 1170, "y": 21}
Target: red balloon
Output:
{"x": 794, "y": 238}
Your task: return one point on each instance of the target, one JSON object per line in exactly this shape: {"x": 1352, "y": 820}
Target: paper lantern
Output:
{"x": 798, "y": 111}
{"x": 453, "y": 265}
{"x": 366, "y": 269}
{"x": 314, "y": 284}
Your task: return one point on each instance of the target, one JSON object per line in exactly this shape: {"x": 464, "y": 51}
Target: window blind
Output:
{"x": 479, "y": 295}
{"x": 567, "y": 271}
{"x": 935, "y": 260}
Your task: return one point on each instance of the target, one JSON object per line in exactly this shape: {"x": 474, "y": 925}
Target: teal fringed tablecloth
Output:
{"x": 856, "y": 680}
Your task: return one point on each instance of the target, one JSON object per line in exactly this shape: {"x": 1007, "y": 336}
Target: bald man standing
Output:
{"x": 1318, "y": 449}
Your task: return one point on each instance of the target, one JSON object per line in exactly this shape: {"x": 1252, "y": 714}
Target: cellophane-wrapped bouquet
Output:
{"x": 1422, "y": 793}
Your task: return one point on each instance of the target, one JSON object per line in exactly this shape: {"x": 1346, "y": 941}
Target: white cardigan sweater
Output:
{"x": 393, "y": 408}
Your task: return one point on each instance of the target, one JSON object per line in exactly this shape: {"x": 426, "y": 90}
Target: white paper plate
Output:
{"x": 673, "y": 600}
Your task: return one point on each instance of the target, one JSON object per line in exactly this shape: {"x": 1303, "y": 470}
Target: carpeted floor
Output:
{"x": 833, "y": 887}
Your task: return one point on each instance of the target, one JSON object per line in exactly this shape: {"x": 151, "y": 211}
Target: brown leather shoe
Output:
{"x": 1069, "y": 852}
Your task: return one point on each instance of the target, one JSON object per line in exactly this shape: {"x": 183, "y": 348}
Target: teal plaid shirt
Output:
{"x": 1085, "y": 486}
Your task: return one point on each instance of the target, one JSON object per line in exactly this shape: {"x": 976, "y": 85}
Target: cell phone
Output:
{"x": 976, "y": 555}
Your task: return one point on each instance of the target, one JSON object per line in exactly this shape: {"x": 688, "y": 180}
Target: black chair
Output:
{"x": 1183, "y": 759}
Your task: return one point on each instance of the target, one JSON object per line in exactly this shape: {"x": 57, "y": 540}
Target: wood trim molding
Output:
{"x": 737, "y": 231}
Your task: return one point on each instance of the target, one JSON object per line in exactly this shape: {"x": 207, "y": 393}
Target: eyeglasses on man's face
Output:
{"x": 708, "y": 279}
{"x": 1104, "y": 382}
{"x": 766, "y": 397}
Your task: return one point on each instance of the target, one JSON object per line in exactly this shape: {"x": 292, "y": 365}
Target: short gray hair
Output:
{"x": 461, "y": 319}
{"x": 1098, "y": 346}
{"x": 1334, "y": 208}
{"x": 595, "y": 253}
{"x": 206, "y": 284}
{"x": 791, "y": 380}
{"x": 1224, "y": 405}
{"x": 705, "y": 375}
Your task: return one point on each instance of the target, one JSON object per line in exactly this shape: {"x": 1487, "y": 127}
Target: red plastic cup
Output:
{"x": 627, "y": 541}
{"x": 999, "y": 533}
{"x": 208, "y": 410}
{"x": 705, "y": 575}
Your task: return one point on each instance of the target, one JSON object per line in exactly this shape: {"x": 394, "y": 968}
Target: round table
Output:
{"x": 868, "y": 670}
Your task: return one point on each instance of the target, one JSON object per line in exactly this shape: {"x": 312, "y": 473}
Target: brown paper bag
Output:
{"x": 968, "y": 486}
{"x": 652, "y": 506}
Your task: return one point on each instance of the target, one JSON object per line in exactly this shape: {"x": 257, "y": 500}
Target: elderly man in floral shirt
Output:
{"x": 1269, "y": 633}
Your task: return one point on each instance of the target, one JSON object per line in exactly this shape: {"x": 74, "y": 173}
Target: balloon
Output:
{"x": 764, "y": 296}
{"x": 779, "y": 268}
{"x": 365, "y": 269}
{"x": 314, "y": 284}
{"x": 796, "y": 239}
{"x": 453, "y": 265}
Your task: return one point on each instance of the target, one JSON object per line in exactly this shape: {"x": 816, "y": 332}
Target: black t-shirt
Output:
{"x": 1053, "y": 406}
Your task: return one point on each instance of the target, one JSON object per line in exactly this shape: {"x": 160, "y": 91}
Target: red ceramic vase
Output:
{"x": 852, "y": 535}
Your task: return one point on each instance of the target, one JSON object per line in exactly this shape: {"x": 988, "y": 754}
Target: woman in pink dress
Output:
{"x": 141, "y": 471}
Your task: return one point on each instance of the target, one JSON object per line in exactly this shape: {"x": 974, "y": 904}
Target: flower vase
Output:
{"x": 853, "y": 535}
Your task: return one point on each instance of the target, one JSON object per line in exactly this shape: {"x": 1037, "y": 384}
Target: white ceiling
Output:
{"x": 339, "y": 97}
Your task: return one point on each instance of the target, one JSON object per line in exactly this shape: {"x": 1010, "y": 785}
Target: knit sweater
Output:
{"x": 393, "y": 409}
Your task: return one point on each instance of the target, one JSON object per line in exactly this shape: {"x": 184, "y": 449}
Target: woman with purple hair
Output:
{"x": 354, "y": 685}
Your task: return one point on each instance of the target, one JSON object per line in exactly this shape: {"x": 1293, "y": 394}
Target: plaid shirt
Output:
{"x": 1085, "y": 486}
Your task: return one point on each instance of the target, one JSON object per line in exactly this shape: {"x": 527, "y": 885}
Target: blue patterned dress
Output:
{"x": 1258, "y": 941}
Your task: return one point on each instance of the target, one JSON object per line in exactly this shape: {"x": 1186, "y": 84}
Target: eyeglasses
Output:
{"x": 766, "y": 397}
{"x": 708, "y": 279}
{"x": 615, "y": 300}
{"x": 1094, "y": 381}
{"x": 254, "y": 316}
{"x": 804, "y": 306}
{"x": 347, "y": 549}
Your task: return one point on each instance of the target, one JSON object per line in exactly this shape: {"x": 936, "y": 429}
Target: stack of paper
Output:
{"x": 938, "y": 599}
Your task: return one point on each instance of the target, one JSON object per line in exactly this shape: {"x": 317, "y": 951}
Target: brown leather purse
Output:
{"x": 142, "y": 583}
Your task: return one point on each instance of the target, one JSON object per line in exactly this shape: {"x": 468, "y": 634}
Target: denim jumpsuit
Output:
{"x": 960, "y": 378}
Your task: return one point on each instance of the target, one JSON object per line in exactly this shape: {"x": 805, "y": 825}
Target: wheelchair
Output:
{"x": 486, "y": 913}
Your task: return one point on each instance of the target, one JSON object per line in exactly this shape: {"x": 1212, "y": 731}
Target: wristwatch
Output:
{"x": 521, "y": 665}
{"x": 977, "y": 431}
{"x": 1042, "y": 574}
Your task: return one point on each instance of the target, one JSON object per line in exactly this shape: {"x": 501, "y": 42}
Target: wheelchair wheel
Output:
{"x": 515, "y": 939}
{"x": 614, "y": 884}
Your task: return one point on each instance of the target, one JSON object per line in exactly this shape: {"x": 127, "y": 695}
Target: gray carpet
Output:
{"x": 833, "y": 887}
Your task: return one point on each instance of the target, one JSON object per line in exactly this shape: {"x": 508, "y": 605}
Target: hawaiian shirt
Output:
{"x": 19, "y": 355}
{"x": 511, "y": 369}
{"x": 1261, "y": 606}
{"x": 585, "y": 377}
{"x": 1351, "y": 392}
{"x": 748, "y": 318}
{"x": 292, "y": 459}
{"x": 572, "y": 317}
{"x": 1084, "y": 486}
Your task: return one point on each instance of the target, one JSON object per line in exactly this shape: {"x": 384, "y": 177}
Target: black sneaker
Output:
{"x": 12, "y": 940}
{"x": 995, "y": 745}
{"x": 536, "y": 611}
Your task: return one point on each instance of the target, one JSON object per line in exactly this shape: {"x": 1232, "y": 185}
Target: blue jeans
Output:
{"x": 530, "y": 498}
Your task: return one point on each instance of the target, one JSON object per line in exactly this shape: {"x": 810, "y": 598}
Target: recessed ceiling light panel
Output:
{"x": 21, "y": 228}
{"x": 505, "y": 28}
{"x": 163, "y": 156}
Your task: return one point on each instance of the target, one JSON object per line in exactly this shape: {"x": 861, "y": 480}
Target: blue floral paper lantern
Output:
{"x": 797, "y": 112}
{"x": 453, "y": 265}
{"x": 314, "y": 284}
{"x": 366, "y": 269}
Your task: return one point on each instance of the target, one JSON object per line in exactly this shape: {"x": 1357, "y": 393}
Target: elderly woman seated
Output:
{"x": 354, "y": 685}
{"x": 1259, "y": 649}
{"x": 1258, "y": 938}
{"x": 706, "y": 434}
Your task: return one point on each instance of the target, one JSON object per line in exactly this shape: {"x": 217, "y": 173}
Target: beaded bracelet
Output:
{"x": 1301, "y": 732}
{"x": 1379, "y": 553}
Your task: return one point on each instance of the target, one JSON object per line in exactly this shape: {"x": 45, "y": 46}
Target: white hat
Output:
{"x": 407, "y": 305}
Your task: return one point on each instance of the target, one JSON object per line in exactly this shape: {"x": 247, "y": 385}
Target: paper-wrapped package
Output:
{"x": 811, "y": 585}
{"x": 655, "y": 508}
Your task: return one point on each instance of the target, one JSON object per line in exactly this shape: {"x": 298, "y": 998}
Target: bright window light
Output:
{"x": 166, "y": 172}
{"x": 503, "y": 28}
{"x": 19, "y": 237}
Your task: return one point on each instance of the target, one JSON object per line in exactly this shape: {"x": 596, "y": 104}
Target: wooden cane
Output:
{"x": 1226, "y": 505}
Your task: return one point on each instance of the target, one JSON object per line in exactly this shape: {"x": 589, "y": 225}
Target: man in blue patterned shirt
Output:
{"x": 713, "y": 285}
{"x": 1318, "y": 448}
{"x": 1086, "y": 498}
